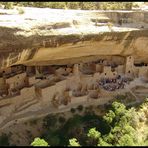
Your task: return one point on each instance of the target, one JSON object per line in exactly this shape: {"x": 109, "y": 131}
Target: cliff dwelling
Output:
{"x": 75, "y": 59}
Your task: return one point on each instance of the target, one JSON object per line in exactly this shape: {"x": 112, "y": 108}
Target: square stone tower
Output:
{"x": 129, "y": 66}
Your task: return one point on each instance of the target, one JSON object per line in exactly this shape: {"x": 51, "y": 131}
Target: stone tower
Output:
{"x": 3, "y": 86}
{"x": 76, "y": 72}
{"x": 129, "y": 66}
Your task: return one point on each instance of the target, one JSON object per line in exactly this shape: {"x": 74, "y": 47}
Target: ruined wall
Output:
{"x": 120, "y": 69}
{"x": 146, "y": 17}
{"x": 128, "y": 16}
{"x": 28, "y": 93}
{"x": 2, "y": 82}
{"x": 18, "y": 81}
{"x": 108, "y": 73}
{"x": 99, "y": 68}
{"x": 33, "y": 80}
{"x": 4, "y": 86}
{"x": 136, "y": 71}
{"x": 143, "y": 71}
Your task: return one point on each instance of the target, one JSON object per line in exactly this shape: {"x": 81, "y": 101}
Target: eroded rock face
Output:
{"x": 49, "y": 36}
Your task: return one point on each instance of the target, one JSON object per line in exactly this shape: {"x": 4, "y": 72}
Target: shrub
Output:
{"x": 73, "y": 5}
{"x": 80, "y": 108}
{"x": 33, "y": 122}
{"x": 8, "y": 5}
{"x": 89, "y": 108}
{"x": 62, "y": 119}
{"x": 10, "y": 134}
{"x": 99, "y": 106}
{"x": 4, "y": 140}
{"x": 120, "y": 97}
{"x": 73, "y": 142}
{"x": 49, "y": 121}
{"x": 39, "y": 142}
{"x": 73, "y": 110}
{"x": 29, "y": 133}
{"x": 135, "y": 5}
{"x": 128, "y": 6}
{"x": 21, "y": 11}
{"x": 25, "y": 123}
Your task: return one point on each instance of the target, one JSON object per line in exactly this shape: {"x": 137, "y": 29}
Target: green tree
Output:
{"x": 103, "y": 143}
{"x": 4, "y": 140}
{"x": 118, "y": 108}
{"x": 39, "y": 142}
{"x": 126, "y": 140}
{"x": 93, "y": 136}
{"x": 122, "y": 129}
{"x": 73, "y": 142}
{"x": 109, "y": 117}
{"x": 49, "y": 121}
{"x": 93, "y": 133}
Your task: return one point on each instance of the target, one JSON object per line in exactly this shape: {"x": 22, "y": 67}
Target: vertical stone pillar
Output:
{"x": 76, "y": 72}
{"x": 37, "y": 70}
{"x": 129, "y": 66}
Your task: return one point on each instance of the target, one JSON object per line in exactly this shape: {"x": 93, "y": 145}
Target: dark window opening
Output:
{"x": 138, "y": 64}
{"x": 112, "y": 69}
{"x": 129, "y": 71}
{"x": 105, "y": 73}
{"x": 119, "y": 76}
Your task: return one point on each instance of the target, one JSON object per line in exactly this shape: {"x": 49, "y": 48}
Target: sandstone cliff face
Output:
{"x": 50, "y": 36}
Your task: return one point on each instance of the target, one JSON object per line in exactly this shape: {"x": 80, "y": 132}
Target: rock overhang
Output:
{"x": 70, "y": 31}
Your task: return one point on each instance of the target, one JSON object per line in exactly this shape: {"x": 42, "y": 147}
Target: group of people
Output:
{"x": 114, "y": 83}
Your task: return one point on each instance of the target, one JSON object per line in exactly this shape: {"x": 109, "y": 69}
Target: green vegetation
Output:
{"x": 126, "y": 98}
{"x": 73, "y": 127}
{"x": 80, "y": 108}
{"x": 72, "y": 5}
{"x": 73, "y": 142}
{"x": 62, "y": 119}
{"x": 118, "y": 127}
{"x": 4, "y": 140}
{"x": 93, "y": 133}
{"x": 49, "y": 121}
{"x": 33, "y": 122}
{"x": 8, "y": 5}
{"x": 20, "y": 11}
{"x": 73, "y": 110}
{"x": 39, "y": 142}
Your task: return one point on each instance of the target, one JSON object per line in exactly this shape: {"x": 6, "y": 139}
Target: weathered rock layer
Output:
{"x": 46, "y": 36}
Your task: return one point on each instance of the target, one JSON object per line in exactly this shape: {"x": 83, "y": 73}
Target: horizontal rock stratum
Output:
{"x": 43, "y": 36}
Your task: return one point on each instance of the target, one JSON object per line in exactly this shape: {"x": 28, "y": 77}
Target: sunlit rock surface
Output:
{"x": 43, "y": 36}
